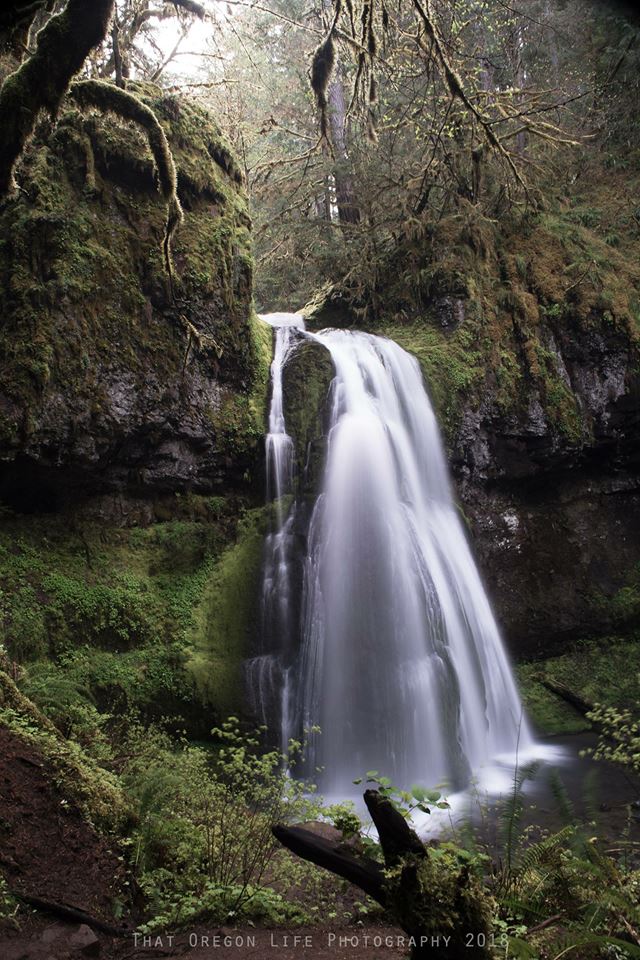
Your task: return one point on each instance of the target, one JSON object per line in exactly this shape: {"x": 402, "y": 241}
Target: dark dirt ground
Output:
{"x": 39, "y": 940}
{"x": 47, "y": 849}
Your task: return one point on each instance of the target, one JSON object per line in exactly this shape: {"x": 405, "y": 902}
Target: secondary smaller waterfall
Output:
{"x": 278, "y": 443}
{"x": 267, "y": 676}
{"x": 381, "y": 634}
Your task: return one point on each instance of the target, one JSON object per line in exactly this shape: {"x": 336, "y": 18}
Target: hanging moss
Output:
{"x": 110, "y": 98}
{"x": 321, "y": 69}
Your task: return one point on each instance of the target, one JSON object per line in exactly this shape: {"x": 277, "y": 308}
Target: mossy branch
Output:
{"x": 456, "y": 87}
{"x": 63, "y": 45}
{"x": 109, "y": 98}
{"x": 322, "y": 66}
{"x": 15, "y": 24}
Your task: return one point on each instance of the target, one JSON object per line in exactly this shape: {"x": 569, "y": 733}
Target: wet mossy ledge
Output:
{"x": 112, "y": 374}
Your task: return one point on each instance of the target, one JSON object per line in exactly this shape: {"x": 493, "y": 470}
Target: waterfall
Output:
{"x": 394, "y": 653}
{"x": 267, "y": 677}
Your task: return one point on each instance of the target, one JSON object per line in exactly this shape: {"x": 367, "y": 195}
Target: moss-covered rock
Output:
{"x": 306, "y": 380}
{"x": 113, "y": 377}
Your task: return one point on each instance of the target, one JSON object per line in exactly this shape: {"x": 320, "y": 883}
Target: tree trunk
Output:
{"x": 348, "y": 211}
{"x": 42, "y": 80}
{"x": 403, "y": 894}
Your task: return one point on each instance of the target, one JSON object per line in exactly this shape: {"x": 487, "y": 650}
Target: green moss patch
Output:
{"x": 451, "y": 363}
{"x": 226, "y": 620}
{"x": 605, "y": 672}
{"x": 117, "y": 614}
{"x": 306, "y": 380}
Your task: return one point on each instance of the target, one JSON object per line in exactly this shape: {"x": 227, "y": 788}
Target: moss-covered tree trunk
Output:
{"x": 42, "y": 80}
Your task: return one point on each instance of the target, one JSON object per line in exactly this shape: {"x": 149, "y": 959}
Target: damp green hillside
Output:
{"x": 103, "y": 620}
{"x": 97, "y": 793}
{"x": 226, "y": 621}
{"x": 603, "y": 672}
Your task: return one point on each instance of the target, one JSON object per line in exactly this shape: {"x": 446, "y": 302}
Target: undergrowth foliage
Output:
{"x": 545, "y": 893}
{"x": 203, "y": 845}
{"x": 196, "y": 825}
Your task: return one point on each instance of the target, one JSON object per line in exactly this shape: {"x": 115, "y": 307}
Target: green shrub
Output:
{"x": 203, "y": 843}
{"x": 25, "y": 631}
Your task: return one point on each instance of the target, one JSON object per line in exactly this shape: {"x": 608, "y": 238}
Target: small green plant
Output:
{"x": 619, "y": 738}
{"x": 405, "y": 801}
{"x": 8, "y": 904}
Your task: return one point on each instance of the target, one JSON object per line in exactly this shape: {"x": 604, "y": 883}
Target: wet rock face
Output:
{"x": 113, "y": 377}
{"x": 603, "y": 382}
{"x": 556, "y": 556}
{"x": 448, "y": 312}
{"x": 555, "y": 520}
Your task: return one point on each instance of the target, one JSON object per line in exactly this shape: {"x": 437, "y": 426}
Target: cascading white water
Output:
{"x": 266, "y": 675}
{"x": 397, "y": 655}
{"x": 402, "y": 666}
{"x": 278, "y": 443}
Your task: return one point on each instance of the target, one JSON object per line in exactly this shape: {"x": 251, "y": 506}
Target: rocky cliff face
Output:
{"x": 529, "y": 339}
{"x": 116, "y": 381}
{"x": 556, "y": 519}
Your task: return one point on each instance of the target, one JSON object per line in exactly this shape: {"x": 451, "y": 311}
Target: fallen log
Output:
{"x": 565, "y": 693}
{"x": 443, "y": 908}
{"x": 74, "y": 914}
{"x": 362, "y": 871}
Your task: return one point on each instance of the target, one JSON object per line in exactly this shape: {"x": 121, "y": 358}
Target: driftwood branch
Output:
{"x": 399, "y": 885}
{"x": 397, "y": 840}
